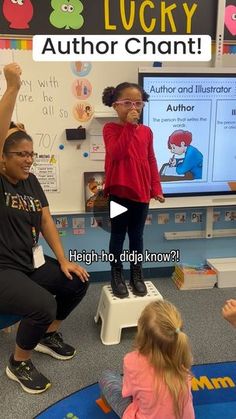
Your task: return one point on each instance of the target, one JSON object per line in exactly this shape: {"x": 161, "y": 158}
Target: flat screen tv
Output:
{"x": 192, "y": 115}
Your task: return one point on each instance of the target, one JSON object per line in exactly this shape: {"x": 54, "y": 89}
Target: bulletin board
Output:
{"x": 53, "y": 97}
{"x": 108, "y": 17}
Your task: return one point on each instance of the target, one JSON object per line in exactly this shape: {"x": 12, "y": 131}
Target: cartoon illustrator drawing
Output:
{"x": 179, "y": 144}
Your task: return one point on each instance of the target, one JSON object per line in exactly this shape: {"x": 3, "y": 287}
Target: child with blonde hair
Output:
{"x": 157, "y": 381}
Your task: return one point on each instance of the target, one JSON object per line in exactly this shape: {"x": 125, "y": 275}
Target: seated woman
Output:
{"x": 42, "y": 291}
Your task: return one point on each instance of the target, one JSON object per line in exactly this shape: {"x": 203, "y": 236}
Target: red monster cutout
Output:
{"x": 18, "y": 12}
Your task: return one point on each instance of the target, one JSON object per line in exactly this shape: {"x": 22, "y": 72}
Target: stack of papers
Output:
{"x": 226, "y": 271}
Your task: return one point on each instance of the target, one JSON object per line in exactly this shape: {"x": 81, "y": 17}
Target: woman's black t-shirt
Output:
{"x": 20, "y": 212}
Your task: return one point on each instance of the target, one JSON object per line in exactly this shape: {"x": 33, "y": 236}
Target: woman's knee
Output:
{"x": 47, "y": 309}
{"x": 85, "y": 286}
{"x": 74, "y": 289}
{"x": 79, "y": 288}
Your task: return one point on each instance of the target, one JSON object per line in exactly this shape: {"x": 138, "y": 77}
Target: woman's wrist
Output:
{"x": 61, "y": 259}
{"x": 12, "y": 91}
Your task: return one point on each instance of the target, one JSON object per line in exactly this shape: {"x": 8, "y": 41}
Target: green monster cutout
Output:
{"x": 66, "y": 14}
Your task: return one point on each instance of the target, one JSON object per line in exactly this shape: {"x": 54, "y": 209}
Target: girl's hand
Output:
{"x": 159, "y": 198}
{"x": 133, "y": 116}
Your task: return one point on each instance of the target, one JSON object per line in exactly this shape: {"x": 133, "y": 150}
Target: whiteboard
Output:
{"x": 46, "y": 104}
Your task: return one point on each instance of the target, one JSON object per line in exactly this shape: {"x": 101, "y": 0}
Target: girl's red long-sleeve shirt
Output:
{"x": 130, "y": 163}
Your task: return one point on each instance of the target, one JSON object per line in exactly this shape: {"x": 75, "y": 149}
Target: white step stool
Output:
{"x": 226, "y": 271}
{"x": 117, "y": 313}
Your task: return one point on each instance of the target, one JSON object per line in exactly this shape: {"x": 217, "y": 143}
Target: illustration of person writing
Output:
{"x": 179, "y": 143}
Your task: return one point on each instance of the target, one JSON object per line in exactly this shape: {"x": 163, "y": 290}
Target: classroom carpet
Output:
{"x": 213, "y": 388}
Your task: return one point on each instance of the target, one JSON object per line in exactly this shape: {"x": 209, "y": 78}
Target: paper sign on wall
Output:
{"x": 46, "y": 169}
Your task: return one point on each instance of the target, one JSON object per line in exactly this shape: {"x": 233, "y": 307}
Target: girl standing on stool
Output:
{"x": 132, "y": 179}
{"x": 156, "y": 381}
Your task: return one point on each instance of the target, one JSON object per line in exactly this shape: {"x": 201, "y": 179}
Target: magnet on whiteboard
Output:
{"x": 85, "y": 154}
{"x": 61, "y": 147}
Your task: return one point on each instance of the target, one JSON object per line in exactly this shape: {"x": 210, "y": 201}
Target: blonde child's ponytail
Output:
{"x": 161, "y": 339}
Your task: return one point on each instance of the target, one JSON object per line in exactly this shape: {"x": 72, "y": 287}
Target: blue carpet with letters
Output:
{"x": 213, "y": 387}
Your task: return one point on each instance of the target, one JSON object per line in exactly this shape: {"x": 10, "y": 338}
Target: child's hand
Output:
{"x": 232, "y": 302}
{"x": 229, "y": 311}
{"x": 133, "y": 116}
{"x": 159, "y": 198}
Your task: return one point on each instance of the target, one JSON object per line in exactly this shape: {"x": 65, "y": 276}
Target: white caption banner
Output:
{"x": 122, "y": 48}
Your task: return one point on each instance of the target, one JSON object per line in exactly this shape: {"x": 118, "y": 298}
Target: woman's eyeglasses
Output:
{"x": 23, "y": 154}
{"x": 128, "y": 104}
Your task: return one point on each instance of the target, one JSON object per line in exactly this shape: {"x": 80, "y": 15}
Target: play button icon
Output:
{"x": 105, "y": 206}
{"x": 116, "y": 209}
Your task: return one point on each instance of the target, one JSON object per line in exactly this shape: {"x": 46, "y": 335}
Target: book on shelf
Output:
{"x": 194, "y": 277}
{"x": 95, "y": 199}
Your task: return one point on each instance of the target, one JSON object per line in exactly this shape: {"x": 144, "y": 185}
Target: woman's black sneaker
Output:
{"x": 25, "y": 373}
{"x": 53, "y": 344}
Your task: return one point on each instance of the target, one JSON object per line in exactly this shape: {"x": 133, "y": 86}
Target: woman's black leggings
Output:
{"x": 39, "y": 297}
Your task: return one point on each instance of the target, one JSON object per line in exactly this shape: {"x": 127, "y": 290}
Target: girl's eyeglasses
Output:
{"x": 128, "y": 104}
{"x": 23, "y": 154}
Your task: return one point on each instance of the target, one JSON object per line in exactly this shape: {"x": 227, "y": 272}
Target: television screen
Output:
{"x": 192, "y": 115}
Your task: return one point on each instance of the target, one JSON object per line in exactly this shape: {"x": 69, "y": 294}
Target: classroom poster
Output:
{"x": 97, "y": 147}
{"x": 192, "y": 117}
{"x": 46, "y": 169}
{"x": 95, "y": 200}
